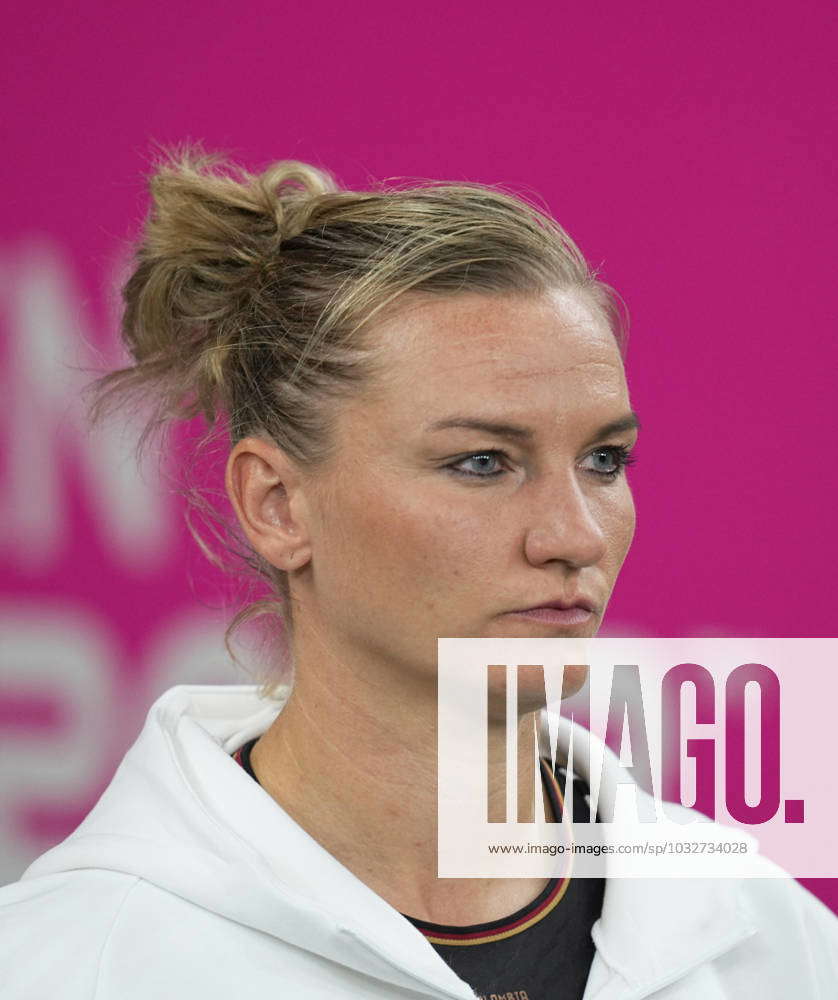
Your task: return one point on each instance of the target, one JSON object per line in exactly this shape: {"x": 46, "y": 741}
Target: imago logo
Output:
{"x": 626, "y": 717}
{"x": 672, "y": 747}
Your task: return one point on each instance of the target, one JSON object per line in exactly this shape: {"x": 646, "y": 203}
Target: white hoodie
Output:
{"x": 187, "y": 880}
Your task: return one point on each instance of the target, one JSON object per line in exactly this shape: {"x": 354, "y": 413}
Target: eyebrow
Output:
{"x": 516, "y": 432}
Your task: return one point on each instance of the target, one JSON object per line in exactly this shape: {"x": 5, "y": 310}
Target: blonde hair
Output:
{"x": 251, "y": 294}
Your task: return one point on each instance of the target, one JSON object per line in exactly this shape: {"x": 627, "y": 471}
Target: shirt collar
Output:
{"x": 655, "y": 930}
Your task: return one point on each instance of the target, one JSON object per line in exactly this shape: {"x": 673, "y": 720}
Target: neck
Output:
{"x": 352, "y": 758}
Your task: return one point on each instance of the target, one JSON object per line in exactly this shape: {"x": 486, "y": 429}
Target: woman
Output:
{"x": 429, "y": 426}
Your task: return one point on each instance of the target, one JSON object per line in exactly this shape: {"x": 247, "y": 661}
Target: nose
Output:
{"x": 564, "y": 527}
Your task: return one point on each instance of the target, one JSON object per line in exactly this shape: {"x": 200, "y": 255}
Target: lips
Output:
{"x": 549, "y": 614}
{"x": 577, "y": 602}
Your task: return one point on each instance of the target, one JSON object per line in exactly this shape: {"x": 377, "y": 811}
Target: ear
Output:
{"x": 265, "y": 489}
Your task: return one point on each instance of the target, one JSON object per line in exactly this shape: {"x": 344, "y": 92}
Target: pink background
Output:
{"x": 689, "y": 148}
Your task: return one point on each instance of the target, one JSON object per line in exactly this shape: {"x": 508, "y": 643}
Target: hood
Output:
{"x": 182, "y": 814}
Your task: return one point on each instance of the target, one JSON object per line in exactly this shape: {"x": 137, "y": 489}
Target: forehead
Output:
{"x": 474, "y": 349}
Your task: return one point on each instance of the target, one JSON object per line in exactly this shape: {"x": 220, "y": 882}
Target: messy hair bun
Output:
{"x": 251, "y": 295}
{"x": 208, "y": 242}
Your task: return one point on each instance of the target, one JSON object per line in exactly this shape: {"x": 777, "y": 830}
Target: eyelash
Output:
{"x": 620, "y": 453}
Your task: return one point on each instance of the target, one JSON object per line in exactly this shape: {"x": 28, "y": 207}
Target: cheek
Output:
{"x": 418, "y": 538}
{"x": 618, "y": 520}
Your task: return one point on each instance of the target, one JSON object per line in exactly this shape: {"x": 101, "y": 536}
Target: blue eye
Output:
{"x": 484, "y": 465}
{"x": 614, "y": 459}
{"x": 610, "y": 460}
